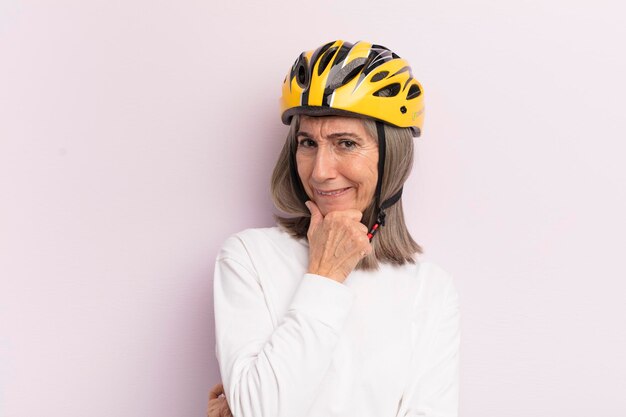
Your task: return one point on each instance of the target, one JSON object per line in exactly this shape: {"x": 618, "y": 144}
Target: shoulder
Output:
{"x": 257, "y": 242}
{"x": 434, "y": 274}
{"x": 436, "y": 285}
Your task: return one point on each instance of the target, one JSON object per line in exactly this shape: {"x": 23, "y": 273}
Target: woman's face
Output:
{"x": 337, "y": 162}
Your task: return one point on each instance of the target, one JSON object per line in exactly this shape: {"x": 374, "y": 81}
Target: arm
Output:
{"x": 434, "y": 388}
{"x": 267, "y": 370}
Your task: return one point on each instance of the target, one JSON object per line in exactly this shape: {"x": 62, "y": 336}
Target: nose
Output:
{"x": 325, "y": 165}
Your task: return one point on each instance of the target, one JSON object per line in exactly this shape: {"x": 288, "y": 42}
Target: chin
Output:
{"x": 326, "y": 208}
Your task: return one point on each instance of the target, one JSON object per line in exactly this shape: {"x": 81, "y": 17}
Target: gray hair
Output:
{"x": 393, "y": 243}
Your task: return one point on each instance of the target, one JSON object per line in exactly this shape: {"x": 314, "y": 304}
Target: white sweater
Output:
{"x": 292, "y": 344}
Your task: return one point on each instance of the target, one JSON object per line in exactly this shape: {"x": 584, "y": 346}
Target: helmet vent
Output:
{"x": 380, "y": 76}
{"x": 347, "y": 73}
{"x": 414, "y": 91}
{"x": 391, "y": 90}
{"x": 302, "y": 73}
{"x": 326, "y": 60}
{"x": 341, "y": 55}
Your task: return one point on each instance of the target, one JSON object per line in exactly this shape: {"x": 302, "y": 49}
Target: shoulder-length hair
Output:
{"x": 393, "y": 242}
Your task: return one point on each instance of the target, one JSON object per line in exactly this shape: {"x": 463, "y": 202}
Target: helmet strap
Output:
{"x": 381, "y": 207}
{"x": 382, "y": 154}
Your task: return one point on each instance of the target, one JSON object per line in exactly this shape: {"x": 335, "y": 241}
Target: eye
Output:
{"x": 347, "y": 143}
{"x": 306, "y": 143}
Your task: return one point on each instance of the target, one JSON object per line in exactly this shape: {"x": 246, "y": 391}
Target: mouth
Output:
{"x": 331, "y": 193}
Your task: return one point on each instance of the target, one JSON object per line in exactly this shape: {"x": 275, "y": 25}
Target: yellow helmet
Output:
{"x": 341, "y": 78}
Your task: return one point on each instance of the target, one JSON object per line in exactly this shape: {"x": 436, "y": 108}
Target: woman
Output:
{"x": 331, "y": 314}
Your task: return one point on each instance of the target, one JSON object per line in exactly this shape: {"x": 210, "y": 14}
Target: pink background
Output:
{"x": 136, "y": 136}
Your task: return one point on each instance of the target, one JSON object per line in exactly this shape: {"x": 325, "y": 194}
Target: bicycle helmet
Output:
{"x": 361, "y": 79}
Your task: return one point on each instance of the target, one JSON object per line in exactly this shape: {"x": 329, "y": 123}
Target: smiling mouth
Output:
{"x": 332, "y": 193}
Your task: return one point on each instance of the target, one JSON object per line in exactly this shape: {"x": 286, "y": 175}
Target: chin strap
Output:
{"x": 382, "y": 153}
{"x": 380, "y": 219}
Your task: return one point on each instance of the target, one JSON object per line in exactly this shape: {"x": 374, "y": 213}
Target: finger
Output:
{"x": 316, "y": 214}
{"x": 355, "y": 214}
{"x": 351, "y": 214}
{"x": 226, "y": 410}
{"x": 362, "y": 241}
{"x": 218, "y": 408}
{"x": 368, "y": 248}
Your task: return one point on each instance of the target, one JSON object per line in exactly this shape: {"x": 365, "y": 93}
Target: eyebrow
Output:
{"x": 332, "y": 135}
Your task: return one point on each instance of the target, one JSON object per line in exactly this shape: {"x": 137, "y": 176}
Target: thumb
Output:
{"x": 316, "y": 214}
{"x": 216, "y": 391}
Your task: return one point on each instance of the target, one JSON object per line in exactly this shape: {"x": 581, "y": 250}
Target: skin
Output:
{"x": 338, "y": 166}
{"x": 218, "y": 407}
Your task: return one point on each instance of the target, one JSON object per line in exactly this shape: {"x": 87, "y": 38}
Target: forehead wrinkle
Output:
{"x": 333, "y": 127}
{"x": 343, "y": 134}
{"x": 334, "y": 135}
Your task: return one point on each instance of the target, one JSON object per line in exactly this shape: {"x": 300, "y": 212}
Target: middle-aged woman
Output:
{"x": 331, "y": 313}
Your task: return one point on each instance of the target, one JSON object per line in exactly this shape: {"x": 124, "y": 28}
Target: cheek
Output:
{"x": 369, "y": 177}
{"x": 368, "y": 169}
{"x": 370, "y": 185}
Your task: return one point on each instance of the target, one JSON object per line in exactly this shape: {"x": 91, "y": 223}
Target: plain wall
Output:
{"x": 136, "y": 136}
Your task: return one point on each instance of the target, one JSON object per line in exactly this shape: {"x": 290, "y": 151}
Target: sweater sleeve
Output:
{"x": 270, "y": 370}
{"x": 433, "y": 390}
